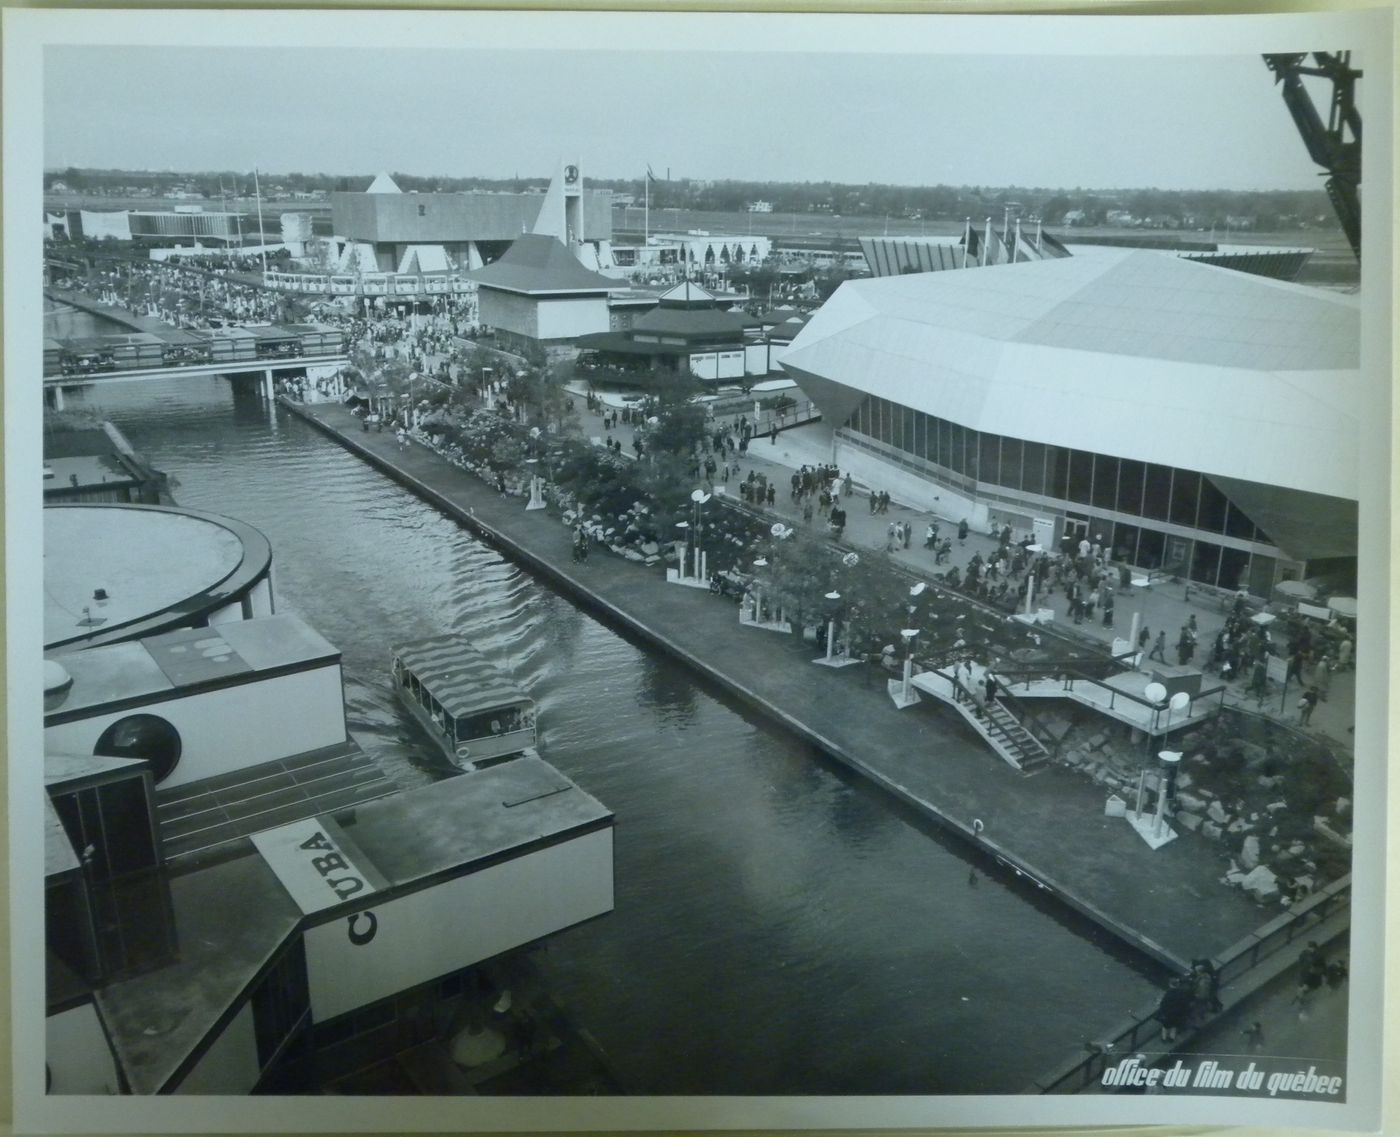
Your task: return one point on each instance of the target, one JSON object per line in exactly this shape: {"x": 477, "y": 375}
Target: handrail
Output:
{"x": 1232, "y": 963}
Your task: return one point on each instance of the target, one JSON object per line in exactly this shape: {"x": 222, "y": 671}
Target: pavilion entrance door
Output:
{"x": 1076, "y": 529}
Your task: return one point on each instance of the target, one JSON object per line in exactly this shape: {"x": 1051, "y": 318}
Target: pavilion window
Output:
{"x": 1157, "y": 492}
{"x": 1205, "y": 562}
{"x": 1057, "y": 472}
{"x": 1009, "y": 464}
{"x": 907, "y": 433}
{"x": 988, "y": 457}
{"x": 1237, "y": 524}
{"x": 1234, "y": 569}
{"x": 1081, "y": 476}
{"x": 1186, "y": 495}
{"x": 1261, "y": 575}
{"x": 1033, "y": 468}
{"x": 1105, "y": 491}
{"x": 1212, "y": 509}
{"x": 1124, "y": 543}
{"x": 1130, "y": 479}
{"x": 1152, "y": 546}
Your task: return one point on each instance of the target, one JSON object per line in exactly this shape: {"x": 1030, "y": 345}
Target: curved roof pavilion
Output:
{"x": 1127, "y": 352}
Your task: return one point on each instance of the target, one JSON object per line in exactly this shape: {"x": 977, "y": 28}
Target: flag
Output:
{"x": 972, "y": 242}
{"x": 650, "y": 176}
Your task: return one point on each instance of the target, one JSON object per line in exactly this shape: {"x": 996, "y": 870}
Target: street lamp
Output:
{"x": 699, "y": 497}
{"x": 902, "y": 694}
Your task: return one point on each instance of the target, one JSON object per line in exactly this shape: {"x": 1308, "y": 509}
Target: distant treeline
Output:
{"x": 1149, "y": 208}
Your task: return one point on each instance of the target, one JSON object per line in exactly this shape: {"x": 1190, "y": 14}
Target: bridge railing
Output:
{"x": 368, "y": 284}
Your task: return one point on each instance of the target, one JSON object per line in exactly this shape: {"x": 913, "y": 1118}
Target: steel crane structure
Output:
{"x": 1336, "y": 144}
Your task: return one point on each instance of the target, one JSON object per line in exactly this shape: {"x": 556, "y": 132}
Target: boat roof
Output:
{"x": 458, "y": 676}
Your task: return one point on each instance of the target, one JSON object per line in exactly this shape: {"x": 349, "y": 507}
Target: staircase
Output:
{"x": 1000, "y": 728}
{"x": 1012, "y": 740}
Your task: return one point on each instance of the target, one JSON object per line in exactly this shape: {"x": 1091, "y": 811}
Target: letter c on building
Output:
{"x": 360, "y": 937}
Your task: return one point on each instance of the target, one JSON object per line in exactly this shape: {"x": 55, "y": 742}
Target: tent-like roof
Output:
{"x": 463, "y": 680}
{"x": 536, "y": 263}
{"x": 688, "y": 294}
{"x": 383, "y": 183}
{"x": 1128, "y": 352}
{"x": 691, "y": 322}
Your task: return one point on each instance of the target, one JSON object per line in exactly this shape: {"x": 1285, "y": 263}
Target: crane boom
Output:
{"x": 1335, "y": 145}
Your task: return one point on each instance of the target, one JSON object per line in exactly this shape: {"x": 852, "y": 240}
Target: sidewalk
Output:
{"x": 1050, "y": 828}
{"x": 1161, "y": 607}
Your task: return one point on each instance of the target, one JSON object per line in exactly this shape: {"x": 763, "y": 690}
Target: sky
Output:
{"x": 1172, "y": 122}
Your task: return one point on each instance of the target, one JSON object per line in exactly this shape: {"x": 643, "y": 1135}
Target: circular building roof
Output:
{"x": 119, "y": 572}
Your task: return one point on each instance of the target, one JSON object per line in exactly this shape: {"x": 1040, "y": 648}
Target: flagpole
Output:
{"x": 1037, "y": 234}
{"x": 1016, "y": 244}
{"x": 646, "y": 207}
{"x": 986, "y": 243}
{"x": 262, "y": 234}
{"x": 967, "y": 238}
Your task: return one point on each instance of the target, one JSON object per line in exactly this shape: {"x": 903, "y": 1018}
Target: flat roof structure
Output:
{"x": 152, "y": 669}
{"x": 158, "y": 567}
{"x": 232, "y": 918}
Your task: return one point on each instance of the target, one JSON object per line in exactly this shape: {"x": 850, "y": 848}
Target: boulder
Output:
{"x": 1249, "y": 852}
{"x": 1216, "y": 812}
{"x": 1239, "y": 825}
{"x": 1261, "y": 882}
{"x": 1190, "y": 801}
{"x": 1189, "y": 821}
{"x": 1211, "y": 830}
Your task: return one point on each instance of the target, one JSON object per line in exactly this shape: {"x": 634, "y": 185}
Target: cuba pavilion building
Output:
{"x": 1204, "y": 422}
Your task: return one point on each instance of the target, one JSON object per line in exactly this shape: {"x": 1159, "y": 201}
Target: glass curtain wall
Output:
{"x": 1087, "y": 484}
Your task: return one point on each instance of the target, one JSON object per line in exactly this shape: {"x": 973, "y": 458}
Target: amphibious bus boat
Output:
{"x": 476, "y": 715}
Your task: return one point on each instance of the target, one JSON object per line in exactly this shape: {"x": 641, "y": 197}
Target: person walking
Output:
{"x": 908, "y": 531}
{"x": 1322, "y": 677}
{"x": 962, "y": 531}
{"x": 1159, "y": 649}
{"x": 1306, "y": 704}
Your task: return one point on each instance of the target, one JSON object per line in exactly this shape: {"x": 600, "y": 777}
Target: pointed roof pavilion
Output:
{"x": 539, "y": 264}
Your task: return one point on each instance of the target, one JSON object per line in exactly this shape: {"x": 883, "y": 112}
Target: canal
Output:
{"x": 780, "y": 927}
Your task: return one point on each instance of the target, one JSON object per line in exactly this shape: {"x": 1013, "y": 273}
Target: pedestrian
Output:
{"x": 1312, "y": 970}
{"x": 1322, "y": 677}
{"x": 891, "y": 536}
{"x": 931, "y": 536}
{"x": 962, "y": 531}
{"x": 1159, "y": 649}
{"x": 1106, "y": 599}
{"x": 1174, "y": 1009}
{"x": 989, "y": 683}
{"x": 1306, "y": 702}
{"x": 1344, "y": 654}
{"x": 874, "y": 501}
{"x": 908, "y": 529}
{"x": 1143, "y": 637}
{"x": 1184, "y": 647}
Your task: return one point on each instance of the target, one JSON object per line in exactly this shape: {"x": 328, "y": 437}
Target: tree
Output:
{"x": 679, "y": 429}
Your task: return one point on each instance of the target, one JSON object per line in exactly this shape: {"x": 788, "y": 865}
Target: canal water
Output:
{"x": 780, "y": 927}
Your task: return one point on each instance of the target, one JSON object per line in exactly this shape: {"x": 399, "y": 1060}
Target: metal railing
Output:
{"x": 1231, "y": 964}
{"x": 368, "y": 284}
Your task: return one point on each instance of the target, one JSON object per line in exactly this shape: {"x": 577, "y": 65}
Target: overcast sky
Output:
{"x": 1105, "y": 122}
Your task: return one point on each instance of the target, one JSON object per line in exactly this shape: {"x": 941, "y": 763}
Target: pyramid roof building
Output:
{"x": 537, "y": 264}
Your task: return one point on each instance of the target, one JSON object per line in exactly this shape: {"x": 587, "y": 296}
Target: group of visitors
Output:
{"x": 1190, "y": 999}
